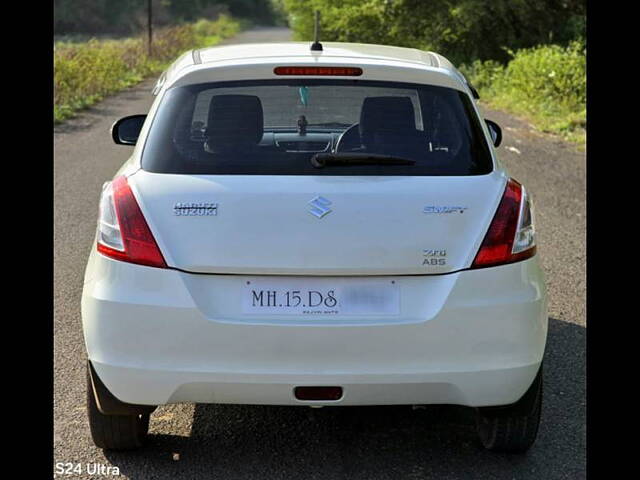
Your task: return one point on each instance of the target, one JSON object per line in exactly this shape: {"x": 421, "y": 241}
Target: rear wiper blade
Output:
{"x": 319, "y": 160}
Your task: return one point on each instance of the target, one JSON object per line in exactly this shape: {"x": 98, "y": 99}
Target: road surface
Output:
{"x": 228, "y": 442}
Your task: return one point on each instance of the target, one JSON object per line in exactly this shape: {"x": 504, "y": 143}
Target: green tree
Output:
{"x": 463, "y": 30}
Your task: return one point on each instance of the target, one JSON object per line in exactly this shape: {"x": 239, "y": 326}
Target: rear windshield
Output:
{"x": 275, "y": 127}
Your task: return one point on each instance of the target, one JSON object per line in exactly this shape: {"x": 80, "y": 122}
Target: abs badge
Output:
{"x": 442, "y": 209}
{"x": 434, "y": 256}
{"x": 199, "y": 209}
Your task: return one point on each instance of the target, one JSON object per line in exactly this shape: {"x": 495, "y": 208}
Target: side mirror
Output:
{"x": 126, "y": 130}
{"x": 496, "y": 132}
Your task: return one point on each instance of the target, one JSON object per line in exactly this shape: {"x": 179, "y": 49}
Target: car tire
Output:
{"x": 512, "y": 429}
{"x": 115, "y": 432}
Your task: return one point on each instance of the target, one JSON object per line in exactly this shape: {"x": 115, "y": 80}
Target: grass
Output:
{"x": 546, "y": 85}
{"x": 86, "y": 72}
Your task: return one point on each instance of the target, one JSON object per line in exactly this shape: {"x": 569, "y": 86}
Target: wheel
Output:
{"x": 512, "y": 429}
{"x": 115, "y": 432}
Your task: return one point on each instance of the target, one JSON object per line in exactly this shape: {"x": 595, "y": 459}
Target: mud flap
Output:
{"x": 110, "y": 405}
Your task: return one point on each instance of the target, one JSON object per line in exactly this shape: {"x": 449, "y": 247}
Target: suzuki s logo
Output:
{"x": 319, "y": 207}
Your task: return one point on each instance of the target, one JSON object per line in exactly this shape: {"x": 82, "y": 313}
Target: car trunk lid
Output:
{"x": 318, "y": 225}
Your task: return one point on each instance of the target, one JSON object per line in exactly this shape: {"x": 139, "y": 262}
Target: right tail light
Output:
{"x": 511, "y": 236}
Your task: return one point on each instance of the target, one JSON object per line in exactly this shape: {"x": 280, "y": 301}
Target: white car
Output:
{"x": 326, "y": 227}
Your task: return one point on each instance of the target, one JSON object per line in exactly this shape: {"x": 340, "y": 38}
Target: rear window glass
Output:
{"x": 275, "y": 127}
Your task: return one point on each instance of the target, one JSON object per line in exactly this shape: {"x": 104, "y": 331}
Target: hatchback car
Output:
{"x": 326, "y": 227}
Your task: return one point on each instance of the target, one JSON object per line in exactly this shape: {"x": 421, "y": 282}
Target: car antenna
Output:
{"x": 316, "y": 46}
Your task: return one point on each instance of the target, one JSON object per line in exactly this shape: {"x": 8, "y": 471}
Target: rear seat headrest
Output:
{"x": 234, "y": 120}
{"x": 394, "y": 114}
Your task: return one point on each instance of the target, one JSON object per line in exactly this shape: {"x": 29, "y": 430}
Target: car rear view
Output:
{"x": 315, "y": 229}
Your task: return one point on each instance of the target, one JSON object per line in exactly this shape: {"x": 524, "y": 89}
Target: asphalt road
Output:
{"x": 225, "y": 442}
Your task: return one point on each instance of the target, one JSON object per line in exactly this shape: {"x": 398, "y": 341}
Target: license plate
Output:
{"x": 321, "y": 296}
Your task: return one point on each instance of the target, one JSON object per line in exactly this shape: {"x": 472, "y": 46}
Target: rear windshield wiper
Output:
{"x": 319, "y": 160}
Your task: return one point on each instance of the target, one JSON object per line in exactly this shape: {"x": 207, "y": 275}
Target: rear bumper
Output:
{"x": 472, "y": 338}
{"x": 472, "y": 388}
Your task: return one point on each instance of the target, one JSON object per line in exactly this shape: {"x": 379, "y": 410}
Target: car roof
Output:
{"x": 253, "y": 54}
{"x": 354, "y": 51}
{"x": 301, "y": 51}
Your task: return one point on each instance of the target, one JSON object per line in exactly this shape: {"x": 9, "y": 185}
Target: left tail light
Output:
{"x": 123, "y": 233}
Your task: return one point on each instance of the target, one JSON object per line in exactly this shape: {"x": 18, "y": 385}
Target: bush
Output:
{"x": 208, "y": 32}
{"x": 546, "y": 83}
{"x": 86, "y": 72}
{"x": 550, "y": 73}
{"x": 485, "y": 74}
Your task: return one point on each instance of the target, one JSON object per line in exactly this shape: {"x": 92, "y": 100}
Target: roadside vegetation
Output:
{"x": 86, "y": 72}
{"x": 545, "y": 84}
{"x": 129, "y": 17}
{"x": 524, "y": 56}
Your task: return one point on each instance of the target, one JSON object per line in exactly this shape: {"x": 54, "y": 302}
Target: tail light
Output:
{"x": 511, "y": 236}
{"x": 123, "y": 232}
